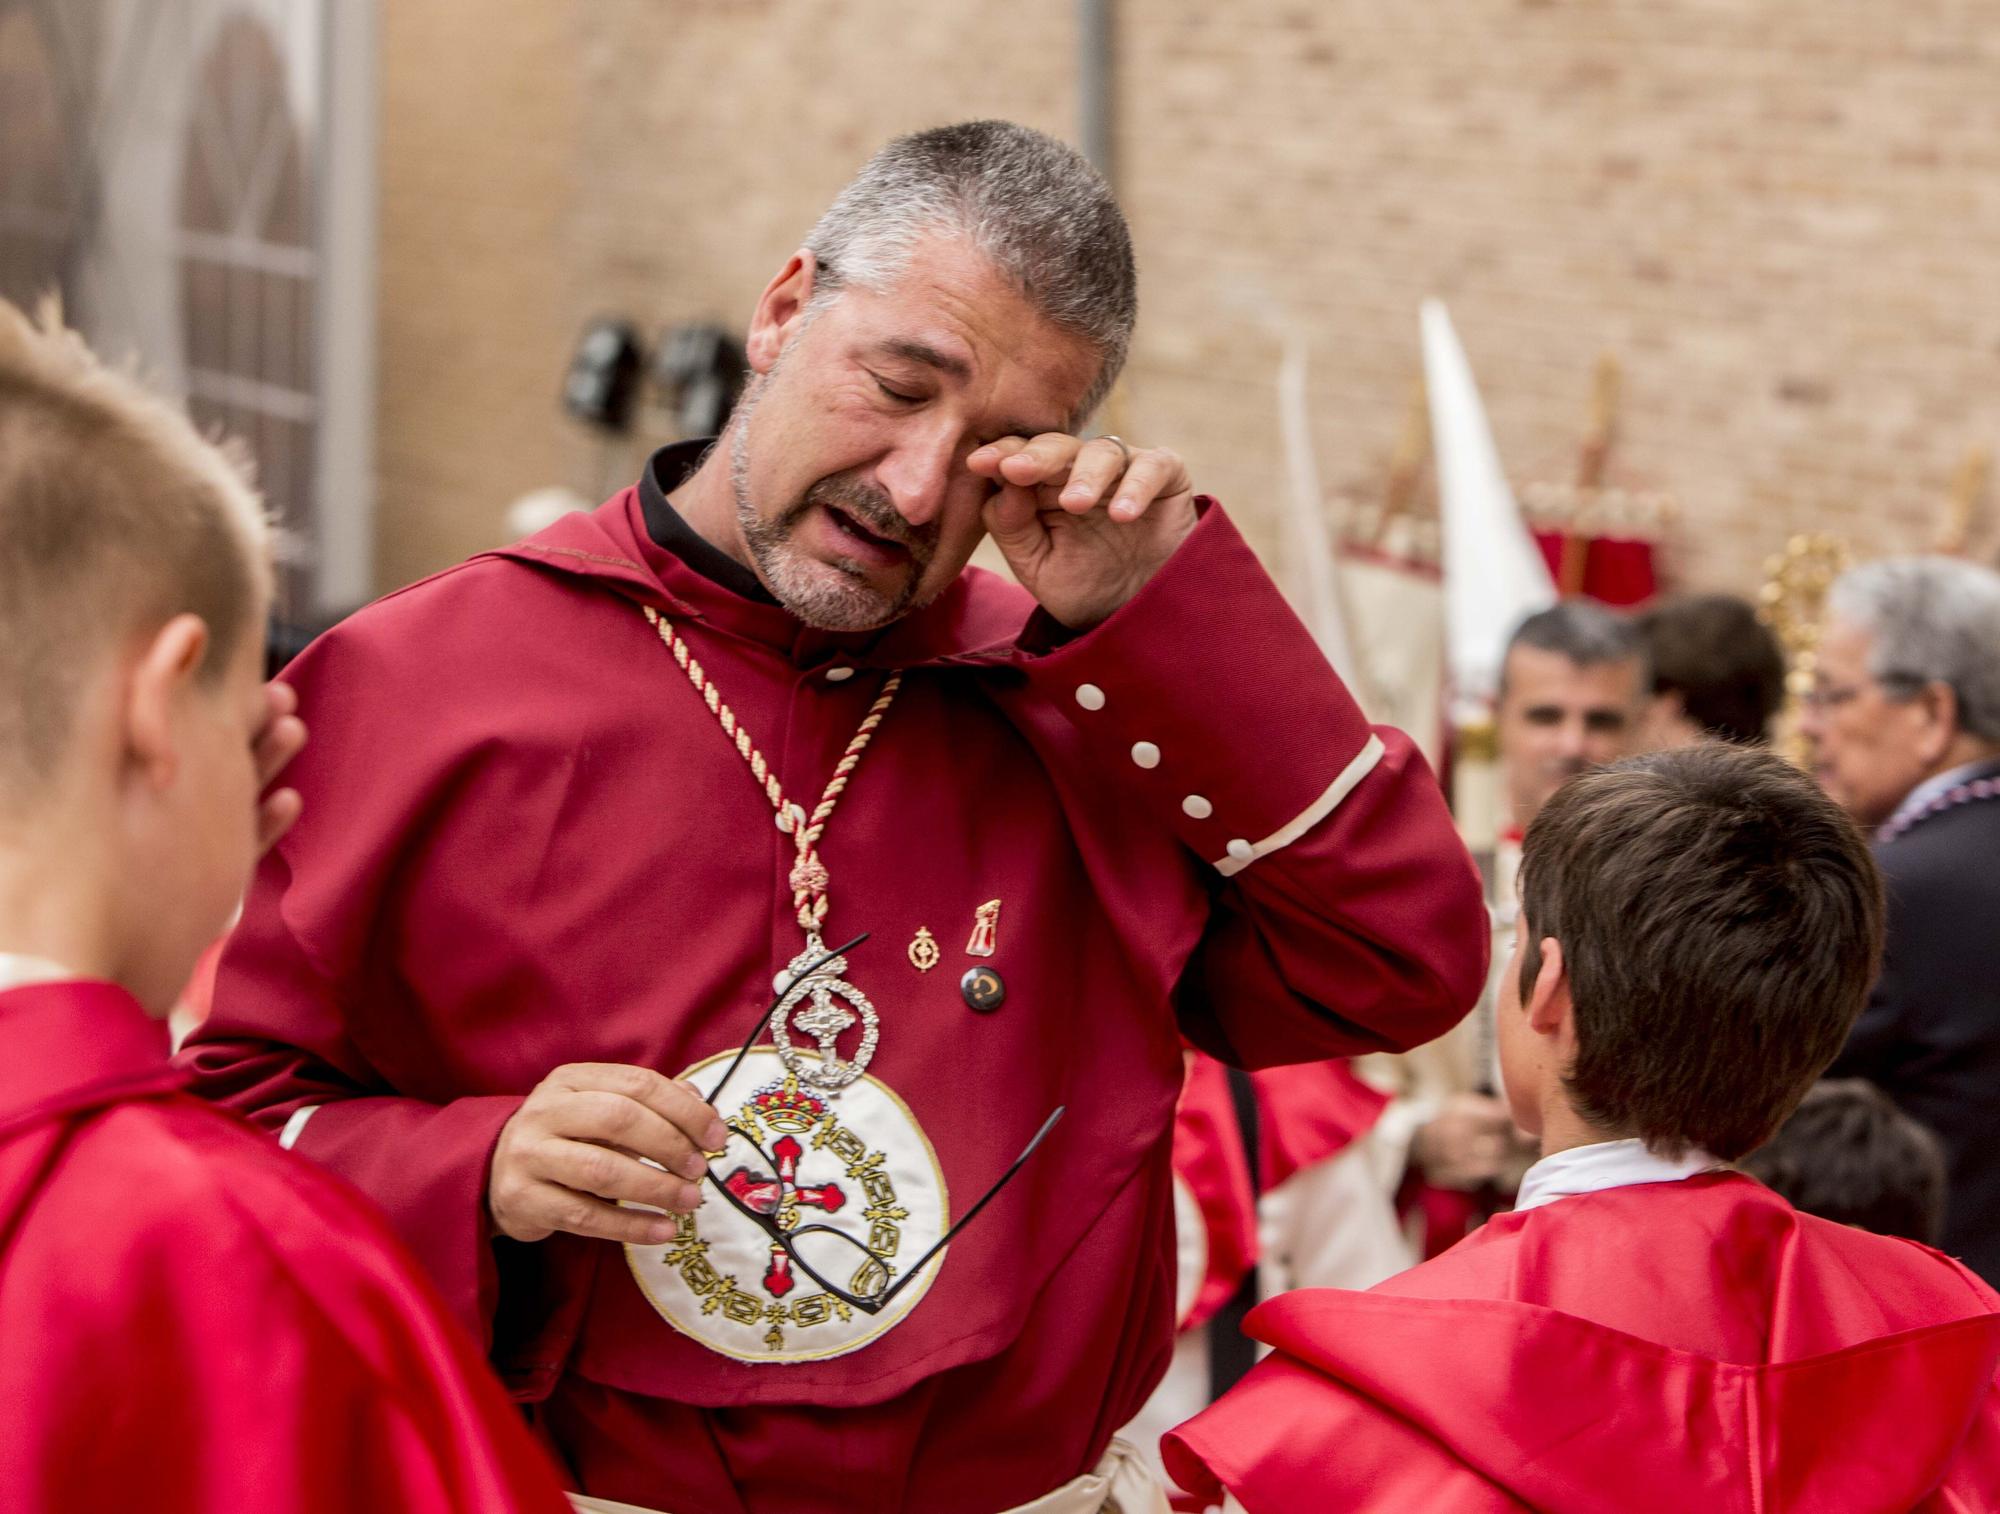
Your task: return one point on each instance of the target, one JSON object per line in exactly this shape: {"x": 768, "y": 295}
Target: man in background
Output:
{"x": 1573, "y": 691}
{"x": 1904, "y": 717}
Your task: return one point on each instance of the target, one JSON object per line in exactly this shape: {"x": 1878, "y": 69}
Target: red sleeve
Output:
{"x": 278, "y": 1046}
{"x": 1347, "y": 916}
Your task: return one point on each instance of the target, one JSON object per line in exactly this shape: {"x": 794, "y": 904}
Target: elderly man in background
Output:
{"x": 1573, "y": 691}
{"x": 1904, "y": 716}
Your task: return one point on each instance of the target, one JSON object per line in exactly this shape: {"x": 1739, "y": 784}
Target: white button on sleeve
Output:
{"x": 1145, "y": 754}
{"x": 839, "y": 675}
{"x": 1196, "y": 808}
{"x": 1240, "y": 849}
{"x": 1090, "y": 696}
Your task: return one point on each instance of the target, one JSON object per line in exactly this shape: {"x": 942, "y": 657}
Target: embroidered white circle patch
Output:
{"x": 849, "y": 1178}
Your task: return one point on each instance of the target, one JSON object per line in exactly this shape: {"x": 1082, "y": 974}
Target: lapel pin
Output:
{"x": 924, "y": 952}
{"x": 983, "y": 989}
{"x": 985, "y": 929}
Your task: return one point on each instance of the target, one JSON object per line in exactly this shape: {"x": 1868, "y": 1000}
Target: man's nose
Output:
{"x": 917, "y": 475}
{"x": 1572, "y": 740}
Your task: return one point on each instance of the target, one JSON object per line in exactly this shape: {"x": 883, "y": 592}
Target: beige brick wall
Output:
{"x": 479, "y": 116}
{"x": 1781, "y": 217}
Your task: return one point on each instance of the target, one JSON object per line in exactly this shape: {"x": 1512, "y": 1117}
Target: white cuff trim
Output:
{"x": 289, "y": 1136}
{"x": 1318, "y": 810}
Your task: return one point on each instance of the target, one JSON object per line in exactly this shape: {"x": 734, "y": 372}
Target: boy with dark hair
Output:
{"x": 1649, "y": 1330}
{"x": 1850, "y": 1155}
{"x": 192, "y": 1320}
{"x": 1718, "y": 672}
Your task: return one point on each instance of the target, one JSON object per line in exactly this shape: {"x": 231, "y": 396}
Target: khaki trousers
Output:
{"x": 1121, "y": 1483}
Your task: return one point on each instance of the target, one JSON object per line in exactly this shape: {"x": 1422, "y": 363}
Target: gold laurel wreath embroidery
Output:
{"x": 719, "y": 1292}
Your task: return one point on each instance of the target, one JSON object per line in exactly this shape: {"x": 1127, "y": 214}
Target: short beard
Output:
{"x": 828, "y": 596}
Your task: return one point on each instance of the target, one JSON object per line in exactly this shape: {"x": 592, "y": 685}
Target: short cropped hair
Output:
{"x": 1934, "y": 620}
{"x": 1582, "y": 630}
{"x": 1032, "y": 205}
{"x": 1849, "y": 1155}
{"x": 1721, "y": 922}
{"x": 115, "y": 516}
{"x": 1727, "y": 667}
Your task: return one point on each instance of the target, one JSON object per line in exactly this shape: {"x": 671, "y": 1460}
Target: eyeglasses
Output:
{"x": 1831, "y": 696}
{"x": 768, "y": 1196}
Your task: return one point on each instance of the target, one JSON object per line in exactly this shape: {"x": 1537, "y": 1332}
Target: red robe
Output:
{"x": 1307, "y": 1113}
{"x": 527, "y": 842}
{"x": 1644, "y": 1350}
{"x": 194, "y": 1322}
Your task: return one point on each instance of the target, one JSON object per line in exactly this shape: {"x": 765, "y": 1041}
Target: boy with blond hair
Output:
{"x": 1649, "y": 1330}
{"x": 192, "y": 1319}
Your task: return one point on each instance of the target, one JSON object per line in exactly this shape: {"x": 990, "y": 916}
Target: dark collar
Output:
{"x": 76, "y": 1045}
{"x": 665, "y": 471}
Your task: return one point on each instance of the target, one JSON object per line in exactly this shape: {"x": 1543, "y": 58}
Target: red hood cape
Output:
{"x": 1374, "y": 1401}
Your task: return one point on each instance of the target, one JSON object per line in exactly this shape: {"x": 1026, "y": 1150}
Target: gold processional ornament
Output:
{"x": 1793, "y": 604}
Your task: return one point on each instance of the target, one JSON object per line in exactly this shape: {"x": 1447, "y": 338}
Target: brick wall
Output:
{"x": 479, "y": 116}
{"x": 1777, "y": 216}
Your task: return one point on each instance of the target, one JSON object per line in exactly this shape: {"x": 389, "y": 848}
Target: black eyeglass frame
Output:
{"x": 782, "y": 1238}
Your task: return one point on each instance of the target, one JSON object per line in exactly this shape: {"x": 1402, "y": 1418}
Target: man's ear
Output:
{"x": 1939, "y": 703}
{"x": 780, "y": 309}
{"x": 168, "y": 664}
{"x": 1548, "y": 1005}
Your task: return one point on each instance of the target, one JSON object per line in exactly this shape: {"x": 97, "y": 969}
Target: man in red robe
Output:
{"x": 1649, "y": 1330}
{"x": 189, "y": 1320}
{"x": 587, "y": 813}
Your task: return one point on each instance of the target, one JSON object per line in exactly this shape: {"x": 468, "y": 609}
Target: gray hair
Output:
{"x": 1586, "y": 633}
{"x": 1032, "y": 205}
{"x": 1933, "y": 620}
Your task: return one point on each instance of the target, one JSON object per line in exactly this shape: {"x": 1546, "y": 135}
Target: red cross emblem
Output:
{"x": 776, "y": 1196}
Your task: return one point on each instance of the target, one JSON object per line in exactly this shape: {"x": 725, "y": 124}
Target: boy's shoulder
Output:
{"x": 1721, "y": 1241}
{"x": 163, "y": 1202}
{"x": 1605, "y": 1333}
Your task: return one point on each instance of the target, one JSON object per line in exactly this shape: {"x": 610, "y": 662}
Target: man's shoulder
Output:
{"x": 475, "y": 602}
{"x": 1956, "y": 845}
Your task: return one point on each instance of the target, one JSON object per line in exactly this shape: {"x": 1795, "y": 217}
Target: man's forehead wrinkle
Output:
{"x": 957, "y": 315}
{"x": 931, "y": 357}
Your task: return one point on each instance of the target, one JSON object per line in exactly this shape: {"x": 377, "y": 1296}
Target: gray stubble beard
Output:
{"x": 800, "y": 584}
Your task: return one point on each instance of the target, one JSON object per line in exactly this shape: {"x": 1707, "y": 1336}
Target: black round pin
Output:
{"x": 983, "y": 989}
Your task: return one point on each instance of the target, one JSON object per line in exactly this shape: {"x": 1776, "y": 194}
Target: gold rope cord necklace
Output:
{"x": 825, "y": 1018}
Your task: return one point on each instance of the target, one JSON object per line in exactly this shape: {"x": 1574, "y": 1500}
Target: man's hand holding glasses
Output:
{"x": 572, "y": 1152}
{"x": 596, "y": 1136}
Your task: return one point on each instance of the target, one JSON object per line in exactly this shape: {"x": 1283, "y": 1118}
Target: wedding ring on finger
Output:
{"x": 1119, "y": 443}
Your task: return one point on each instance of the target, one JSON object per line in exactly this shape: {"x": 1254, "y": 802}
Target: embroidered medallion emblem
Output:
{"x": 855, "y": 1186}
{"x": 924, "y": 953}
